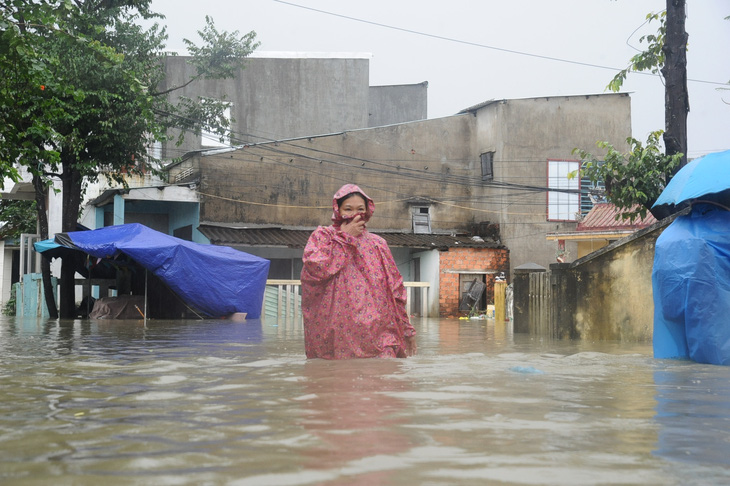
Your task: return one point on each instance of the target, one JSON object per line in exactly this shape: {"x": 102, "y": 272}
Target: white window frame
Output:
{"x": 563, "y": 206}
{"x": 421, "y": 219}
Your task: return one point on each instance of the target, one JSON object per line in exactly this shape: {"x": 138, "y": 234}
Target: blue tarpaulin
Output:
{"x": 691, "y": 285}
{"x": 215, "y": 280}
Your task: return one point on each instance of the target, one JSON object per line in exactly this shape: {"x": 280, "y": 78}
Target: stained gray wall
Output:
{"x": 397, "y": 104}
{"x": 279, "y": 98}
{"x": 291, "y": 182}
{"x": 525, "y": 134}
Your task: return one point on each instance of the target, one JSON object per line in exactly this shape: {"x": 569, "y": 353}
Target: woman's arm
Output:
{"x": 327, "y": 252}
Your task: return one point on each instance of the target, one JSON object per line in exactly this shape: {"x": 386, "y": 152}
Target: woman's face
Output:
{"x": 353, "y": 206}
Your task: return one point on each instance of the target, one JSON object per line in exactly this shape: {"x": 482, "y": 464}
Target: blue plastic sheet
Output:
{"x": 691, "y": 284}
{"x": 215, "y": 280}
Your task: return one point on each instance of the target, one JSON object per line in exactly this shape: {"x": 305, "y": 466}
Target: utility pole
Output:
{"x": 676, "y": 97}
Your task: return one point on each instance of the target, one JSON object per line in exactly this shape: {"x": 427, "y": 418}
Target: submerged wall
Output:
{"x": 609, "y": 292}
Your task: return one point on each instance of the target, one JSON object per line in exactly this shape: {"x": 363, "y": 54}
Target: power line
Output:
{"x": 386, "y": 169}
{"x": 408, "y": 172}
{"x": 476, "y": 44}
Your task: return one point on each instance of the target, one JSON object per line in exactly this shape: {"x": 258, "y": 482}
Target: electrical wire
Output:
{"x": 475, "y": 44}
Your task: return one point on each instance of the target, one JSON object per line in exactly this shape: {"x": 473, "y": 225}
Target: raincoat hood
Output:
{"x": 343, "y": 191}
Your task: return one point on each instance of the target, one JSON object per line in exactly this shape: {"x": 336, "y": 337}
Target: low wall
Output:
{"x": 607, "y": 295}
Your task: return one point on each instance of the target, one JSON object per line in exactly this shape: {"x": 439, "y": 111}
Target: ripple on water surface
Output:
{"x": 207, "y": 402}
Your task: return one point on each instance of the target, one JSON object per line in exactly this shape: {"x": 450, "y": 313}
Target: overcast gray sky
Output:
{"x": 472, "y": 51}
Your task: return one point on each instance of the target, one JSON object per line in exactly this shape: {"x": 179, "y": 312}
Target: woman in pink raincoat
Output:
{"x": 353, "y": 298}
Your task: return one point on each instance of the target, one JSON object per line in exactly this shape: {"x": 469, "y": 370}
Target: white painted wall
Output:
{"x": 6, "y": 267}
{"x": 430, "y": 273}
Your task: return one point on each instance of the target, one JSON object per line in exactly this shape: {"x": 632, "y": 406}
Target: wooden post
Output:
{"x": 500, "y": 288}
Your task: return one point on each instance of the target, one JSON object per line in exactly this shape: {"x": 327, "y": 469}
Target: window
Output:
{"x": 421, "y": 219}
{"x": 487, "y": 159}
{"x": 212, "y": 139}
{"x": 155, "y": 151}
{"x": 587, "y": 198}
{"x": 563, "y": 205}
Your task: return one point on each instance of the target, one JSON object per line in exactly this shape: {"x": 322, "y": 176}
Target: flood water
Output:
{"x": 219, "y": 402}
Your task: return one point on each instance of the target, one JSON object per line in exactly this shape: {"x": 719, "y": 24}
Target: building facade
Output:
{"x": 490, "y": 181}
{"x": 496, "y": 172}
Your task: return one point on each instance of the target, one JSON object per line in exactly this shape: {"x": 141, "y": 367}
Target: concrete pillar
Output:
{"x": 99, "y": 218}
{"x": 118, "y": 210}
{"x": 521, "y": 282}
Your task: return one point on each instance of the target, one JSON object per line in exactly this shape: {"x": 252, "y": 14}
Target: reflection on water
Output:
{"x": 217, "y": 402}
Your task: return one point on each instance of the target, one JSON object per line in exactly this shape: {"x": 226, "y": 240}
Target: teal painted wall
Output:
{"x": 172, "y": 215}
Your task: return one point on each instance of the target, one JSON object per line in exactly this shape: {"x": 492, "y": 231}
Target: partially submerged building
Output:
{"x": 458, "y": 198}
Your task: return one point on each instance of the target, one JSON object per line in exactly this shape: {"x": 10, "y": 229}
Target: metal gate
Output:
{"x": 540, "y": 314}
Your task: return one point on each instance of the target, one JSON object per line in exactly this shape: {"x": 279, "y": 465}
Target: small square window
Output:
{"x": 421, "y": 219}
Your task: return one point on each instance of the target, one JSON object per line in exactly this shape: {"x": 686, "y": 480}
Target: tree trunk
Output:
{"x": 71, "y": 196}
{"x": 41, "y": 193}
{"x": 676, "y": 97}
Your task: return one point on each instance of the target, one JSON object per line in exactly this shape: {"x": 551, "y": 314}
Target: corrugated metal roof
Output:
{"x": 603, "y": 217}
{"x": 297, "y": 238}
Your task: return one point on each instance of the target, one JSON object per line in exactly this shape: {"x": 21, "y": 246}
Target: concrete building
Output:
{"x": 496, "y": 172}
{"x": 493, "y": 164}
{"x": 279, "y": 95}
{"x": 282, "y": 95}
{"x": 485, "y": 185}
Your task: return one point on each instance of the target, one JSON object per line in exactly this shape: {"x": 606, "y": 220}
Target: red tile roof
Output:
{"x": 602, "y": 217}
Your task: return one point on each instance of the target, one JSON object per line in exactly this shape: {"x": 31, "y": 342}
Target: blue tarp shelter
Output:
{"x": 214, "y": 280}
{"x": 691, "y": 285}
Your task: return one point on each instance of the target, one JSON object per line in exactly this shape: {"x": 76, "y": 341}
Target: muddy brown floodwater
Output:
{"x": 236, "y": 403}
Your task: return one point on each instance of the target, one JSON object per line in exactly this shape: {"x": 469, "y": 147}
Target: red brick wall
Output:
{"x": 457, "y": 260}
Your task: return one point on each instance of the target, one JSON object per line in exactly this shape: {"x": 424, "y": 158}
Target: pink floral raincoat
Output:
{"x": 353, "y": 298}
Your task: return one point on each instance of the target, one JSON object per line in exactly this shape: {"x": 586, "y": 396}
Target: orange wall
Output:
{"x": 459, "y": 260}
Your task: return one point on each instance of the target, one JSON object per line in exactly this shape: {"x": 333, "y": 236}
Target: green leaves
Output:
{"x": 222, "y": 54}
{"x": 652, "y": 59}
{"x": 19, "y": 218}
{"x": 79, "y": 95}
{"x": 634, "y": 180}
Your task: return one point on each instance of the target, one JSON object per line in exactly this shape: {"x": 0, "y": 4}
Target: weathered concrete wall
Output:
{"x": 397, "y": 104}
{"x": 432, "y": 162}
{"x": 524, "y": 134}
{"x": 279, "y": 98}
{"x": 292, "y": 182}
{"x": 610, "y": 290}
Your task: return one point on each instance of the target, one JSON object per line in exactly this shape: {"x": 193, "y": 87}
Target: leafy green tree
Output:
{"x": 25, "y": 107}
{"x": 633, "y": 181}
{"x": 19, "y": 217}
{"x": 83, "y": 76}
